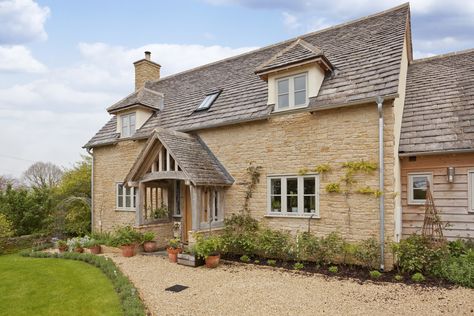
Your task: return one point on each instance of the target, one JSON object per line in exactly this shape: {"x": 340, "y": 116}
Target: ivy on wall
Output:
{"x": 253, "y": 173}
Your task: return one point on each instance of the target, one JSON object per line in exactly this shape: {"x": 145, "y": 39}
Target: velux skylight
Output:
{"x": 208, "y": 101}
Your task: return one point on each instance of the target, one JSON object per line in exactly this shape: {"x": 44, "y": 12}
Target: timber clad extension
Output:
{"x": 288, "y": 108}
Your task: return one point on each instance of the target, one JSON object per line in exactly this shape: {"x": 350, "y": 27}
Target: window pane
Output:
{"x": 216, "y": 205}
{"x": 120, "y": 189}
{"x": 275, "y": 186}
{"x": 309, "y": 204}
{"x": 419, "y": 194}
{"x": 300, "y": 83}
{"x": 420, "y": 185}
{"x": 300, "y": 97}
{"x": 283, "y": 86}
{"x": 276, "y": 203}
{"x": 309, "y": 186}
{"x": 132, "y": 124}
{"x": 135, "y": 197}
{"x": 292, "y": 203}
{"x": 283, "y": 101}
{"x": 292, "y": 186}
{"x": 127, "y": 201}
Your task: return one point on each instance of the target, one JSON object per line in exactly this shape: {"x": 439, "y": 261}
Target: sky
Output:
{"x": 62, "y": 63}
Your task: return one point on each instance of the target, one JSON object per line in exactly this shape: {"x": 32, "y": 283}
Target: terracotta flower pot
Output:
{"x": 62, "y": 249}
{"x": 212, "y": 261}
{"x": 149, "y": 246}
{"x": 79, "y": 249}
{"x": 95, "y": 249}
{"x": 128, "y": 250}
{"x": 173, "y": 254}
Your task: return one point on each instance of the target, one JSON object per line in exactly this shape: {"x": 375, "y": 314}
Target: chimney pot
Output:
{"x": 147, "y": 55}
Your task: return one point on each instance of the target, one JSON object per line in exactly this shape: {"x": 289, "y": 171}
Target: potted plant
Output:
{"x": 161, "y": 212}
{"x": 78, "y": 247}
{"x": 174, "y": 247}
{"x": 62, "y": 246}
{"x": 127, "y": 238}
{"x": 209, "y": 248}
{"x": 149, "y": 243}
{"x": 94, "y": 246}
{"x": 189, "y": 258}
{"x": 276, "y": 206}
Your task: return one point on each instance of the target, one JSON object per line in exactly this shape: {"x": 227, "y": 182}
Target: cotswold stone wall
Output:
{"x": 111, "y": 165}
{"x": 287, "y": 143}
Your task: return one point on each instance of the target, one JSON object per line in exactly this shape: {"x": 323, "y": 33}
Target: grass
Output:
{"x": 31, "y": 286}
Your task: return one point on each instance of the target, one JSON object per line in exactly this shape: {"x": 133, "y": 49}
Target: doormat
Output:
{"x": 176, "y": 288}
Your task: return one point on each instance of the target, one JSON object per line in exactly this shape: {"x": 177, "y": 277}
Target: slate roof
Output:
{"x": 366, "y": 54}
{"x": 439, "y": 105}
{"x": 192, "y": 155}
{"x": 143, "y": 96}
{"x": 297, "y": 52}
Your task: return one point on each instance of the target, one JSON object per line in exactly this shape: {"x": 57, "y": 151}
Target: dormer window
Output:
{"x": 208, "y": 101}
{"x": 128, "y": 124}
{"x": 291, "y": 92}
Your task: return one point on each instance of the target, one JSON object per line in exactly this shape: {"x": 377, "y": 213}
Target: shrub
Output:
{"x": 208, "y": 246}
{"x": 308, "y": 247}
{"x": 274, "y": 244}
{"x": 271, "y": 262}
{"x": 398, "y": 277}
{"x": 298, "y": 266}
{"x": 458, "y": 269}
{"x": 127, "y": 236}
{"x": 332, "y": 248}
{"x": 367, "y": 253}
{"x": 105, "y": 238}
{"x": 244, "y": 258}
{"x": 418, "y": 254}
{"x": 257, "y": 261}
{"x": 91, "y": 243}
{"x": 375, "y": 274}
{"x": 333, "y": 269}
{"x": 417, "y": 277}
{"x": 240, "y": 234}
{"x": 6, "y": 227}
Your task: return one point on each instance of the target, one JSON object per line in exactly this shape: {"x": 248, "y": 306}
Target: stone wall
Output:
{"x": 287, "y": 143}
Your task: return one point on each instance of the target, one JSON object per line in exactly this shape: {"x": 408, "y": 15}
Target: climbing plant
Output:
{"x": 253, "y": 173}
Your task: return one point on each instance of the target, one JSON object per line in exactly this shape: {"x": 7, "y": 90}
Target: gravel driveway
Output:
{"x": 238, "y": 289}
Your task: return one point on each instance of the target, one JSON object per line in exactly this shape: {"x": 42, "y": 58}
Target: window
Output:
{"x": 126, "y": 198}
{"x": 212, "y": 208}
{"x": 470, "y": 180}
{"x": 291, "y": 92}
{"x": 293, "y": 195}
{"x": 177, "y": 209}
{"x": 208, "y": 101}
{"x": 128, "y": 125}
{"x": 417, "y": 187}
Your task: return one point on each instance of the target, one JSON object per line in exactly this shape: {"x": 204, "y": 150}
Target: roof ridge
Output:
{"x": 450, "y": 54}
{"x": 370, "y": 16}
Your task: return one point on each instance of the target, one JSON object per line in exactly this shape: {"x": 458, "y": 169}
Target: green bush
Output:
{"x": 298, "y": 266}
{"x": 367, "y": 253}
{"x": 418, "y": 277}
{"x": 240, "y": 234}
{"x": 208, "y": 246}
{"x": 148, "y": 236}
{"x": 375, "y": 274}
{"x": 308, "y": 247}
{"x": 398, "y": 277}
{"x": 458, "y": 269}
{"x": 271, "y": 262}
{"x": 418, "y": 254}
{"x": 333, "y": 269}
{"x": 245, "y": 258}
{"x": 127, "y": 236}
{"x": 274, "y": 244}
{"x": 332, "y": 248}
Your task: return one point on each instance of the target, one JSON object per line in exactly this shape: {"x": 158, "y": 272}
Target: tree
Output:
{"x": 6, "y": 228}
{"x": 43, "y": 175}
{"x": 74, "y": 194}
{"x": 5, "y": 181}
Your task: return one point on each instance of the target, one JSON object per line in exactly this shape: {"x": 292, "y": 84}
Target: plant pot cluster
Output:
{"x": 209, "y": 248}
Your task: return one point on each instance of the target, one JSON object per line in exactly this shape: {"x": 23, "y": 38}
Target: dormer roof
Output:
{"x": 142, "y": 97}
{"x": 297, "y": 53}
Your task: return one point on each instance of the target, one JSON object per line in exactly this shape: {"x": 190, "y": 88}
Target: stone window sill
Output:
{"x": 292, "y": 216}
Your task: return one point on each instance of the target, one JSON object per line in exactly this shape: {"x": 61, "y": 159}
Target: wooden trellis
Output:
{"x": 432, "y": 228}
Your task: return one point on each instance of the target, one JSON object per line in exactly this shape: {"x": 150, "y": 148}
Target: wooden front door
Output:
{"x": 188, "y": 216}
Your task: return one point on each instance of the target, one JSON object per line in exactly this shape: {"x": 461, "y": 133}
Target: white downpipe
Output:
{"x": 381, "y": 182}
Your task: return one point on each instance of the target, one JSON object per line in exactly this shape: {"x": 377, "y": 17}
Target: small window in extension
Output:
{"x": 208, "y": 101}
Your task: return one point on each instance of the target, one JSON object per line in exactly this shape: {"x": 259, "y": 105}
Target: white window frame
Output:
{"x": 284, "y": 208}
{"x": 291, "y": 92}
{"x": 128, "y": 132}
{"x": 208, "y": 101}
{"x": 470, "y": 190}
{"x": 411, "y": 200}
{"x": 133, "y": 198}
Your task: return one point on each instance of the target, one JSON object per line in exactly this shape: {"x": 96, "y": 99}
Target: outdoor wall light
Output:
{"x": 451, "y": 171}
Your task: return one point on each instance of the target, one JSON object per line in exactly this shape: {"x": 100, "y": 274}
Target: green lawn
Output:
{"x": 31, "y": 286}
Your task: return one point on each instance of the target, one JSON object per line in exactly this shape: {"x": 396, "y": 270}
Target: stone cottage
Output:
{"x": 314, "y": 121}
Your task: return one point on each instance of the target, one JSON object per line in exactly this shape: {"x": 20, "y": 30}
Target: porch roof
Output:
{"x": 197, "y": 162}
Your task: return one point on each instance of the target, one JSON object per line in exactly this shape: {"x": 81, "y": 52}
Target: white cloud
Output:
{"x": 50, "y": 118}
{"x": 290, "y": 21}
{"x": 22, "y": 21}
{"x": 18, "y": 58}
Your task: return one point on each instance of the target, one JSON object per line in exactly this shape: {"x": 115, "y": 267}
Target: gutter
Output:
{"x": 437, "y": 152}
{"x": 379, "y": 101}
{"x": 90, "y": 152}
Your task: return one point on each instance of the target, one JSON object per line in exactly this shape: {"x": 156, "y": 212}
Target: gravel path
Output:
{"x": 238, "y": 289}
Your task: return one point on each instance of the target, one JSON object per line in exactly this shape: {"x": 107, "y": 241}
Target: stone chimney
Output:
{"x": 145, "y": 70}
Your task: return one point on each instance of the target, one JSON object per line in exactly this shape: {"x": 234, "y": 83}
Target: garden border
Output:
{"x": 130, "y": 300}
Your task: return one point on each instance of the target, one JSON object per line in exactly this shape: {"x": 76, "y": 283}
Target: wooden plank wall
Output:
{"x": 451, "y": 199}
